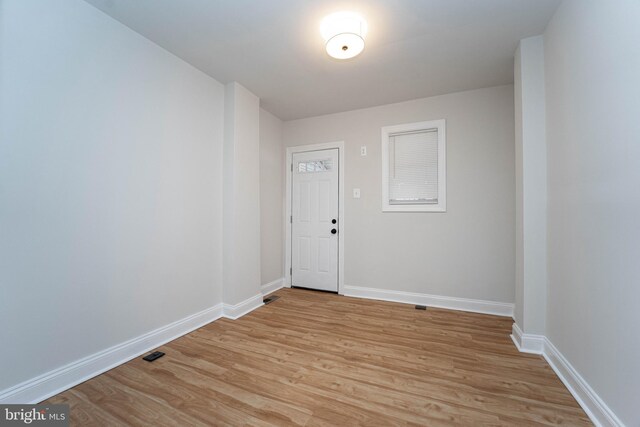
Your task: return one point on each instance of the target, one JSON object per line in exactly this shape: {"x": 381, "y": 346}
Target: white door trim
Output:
{"x": 341, "y": 229}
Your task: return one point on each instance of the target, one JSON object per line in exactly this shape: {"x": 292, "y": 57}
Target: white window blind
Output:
{"x": 413, "y": 167}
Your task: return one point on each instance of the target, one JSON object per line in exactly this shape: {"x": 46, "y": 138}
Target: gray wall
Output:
{"x": 531, "y": 187}
{"x": 467, "y": 252}
{"x": 110, "y": 186}
{"x": 271, "y": 197}
{"x": 592, "y": 58}
{"x": 241, "y": 225}
{"x": 518, "y": 312}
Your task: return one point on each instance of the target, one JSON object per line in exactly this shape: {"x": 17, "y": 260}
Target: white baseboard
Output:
{"x": 236, "y": 311}
{"x": 272, "y": 286}
{"x": 452, "y": 303}
{"x": 56, "y": 381}
{"x": 593, "y": 405}
{"x": 527, "y": 343}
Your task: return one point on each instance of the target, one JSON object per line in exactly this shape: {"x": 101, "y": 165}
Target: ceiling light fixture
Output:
{"x": 344, "y": 34}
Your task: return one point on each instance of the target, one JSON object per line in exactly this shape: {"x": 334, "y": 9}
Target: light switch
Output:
{"x": 363, "y": 150}
{"x": 356, "y": 193}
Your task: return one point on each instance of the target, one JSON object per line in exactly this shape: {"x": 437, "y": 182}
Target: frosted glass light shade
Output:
{"x": 344, "y": 34}
{"x": 345, "y": 46}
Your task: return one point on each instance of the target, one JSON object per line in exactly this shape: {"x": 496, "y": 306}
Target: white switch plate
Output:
{"x": 356, "y": 193}
{"x": 363, "y": 150}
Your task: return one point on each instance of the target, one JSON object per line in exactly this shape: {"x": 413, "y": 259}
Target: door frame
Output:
{"x": 287, "y": 206}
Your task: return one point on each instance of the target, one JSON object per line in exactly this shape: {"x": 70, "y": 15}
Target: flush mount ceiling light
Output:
{"x": 344, "y": 34}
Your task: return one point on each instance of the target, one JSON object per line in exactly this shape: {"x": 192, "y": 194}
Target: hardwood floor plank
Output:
{"x": 319, "y": 359}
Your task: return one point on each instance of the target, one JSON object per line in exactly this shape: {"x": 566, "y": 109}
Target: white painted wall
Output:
{"x": 241, "y": 253}
{"x": 467, "y": 252}
{"x": 518, "y": 312}
{"x": 592, "y": 58}
{"x": 110, "y": 186}
{"x": 271, "y": 198}
{"x": 531, "y": 187}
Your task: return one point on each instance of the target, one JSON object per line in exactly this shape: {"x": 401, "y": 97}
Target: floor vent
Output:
{"x": 421, "y": 307}
{"x": 153, "y": 356}
{"x": 269, "y": 300}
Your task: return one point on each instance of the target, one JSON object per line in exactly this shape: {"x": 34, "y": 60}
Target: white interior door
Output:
{"x": 314, "y": 222}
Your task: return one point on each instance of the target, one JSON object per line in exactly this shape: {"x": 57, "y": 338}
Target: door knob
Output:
{"x": 333, "y": 221}
{"x": 334, "y": 231}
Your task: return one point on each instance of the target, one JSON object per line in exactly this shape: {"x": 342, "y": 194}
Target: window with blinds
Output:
{"x": 414, "y": 167}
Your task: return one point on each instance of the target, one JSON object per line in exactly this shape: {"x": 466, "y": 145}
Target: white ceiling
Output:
{"x": 415, "y": 48}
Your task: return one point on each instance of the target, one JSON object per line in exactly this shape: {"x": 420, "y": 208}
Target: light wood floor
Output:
{"x": 314, "y": 358}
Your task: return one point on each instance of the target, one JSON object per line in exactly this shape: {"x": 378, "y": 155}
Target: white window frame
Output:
{"x": 441, "y": 206}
